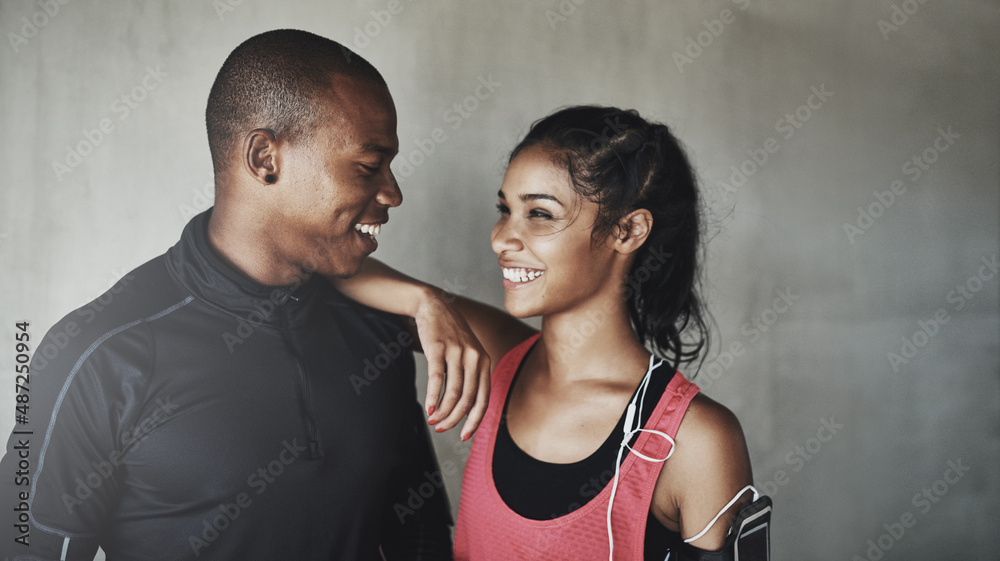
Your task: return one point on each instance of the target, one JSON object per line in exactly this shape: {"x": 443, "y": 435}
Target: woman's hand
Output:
{"x": 456, "y": 363}
{"x": 461, "y": 338}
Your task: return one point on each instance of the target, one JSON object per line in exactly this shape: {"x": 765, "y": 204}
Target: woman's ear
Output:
{"x": 631, "y": 231}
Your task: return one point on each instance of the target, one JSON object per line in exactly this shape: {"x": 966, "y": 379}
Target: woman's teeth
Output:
{"x": 372, "y": 229}
{"x": 521, "y": 275}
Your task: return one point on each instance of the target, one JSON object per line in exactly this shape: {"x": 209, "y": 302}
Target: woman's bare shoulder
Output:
{"x": 709, "y": 466}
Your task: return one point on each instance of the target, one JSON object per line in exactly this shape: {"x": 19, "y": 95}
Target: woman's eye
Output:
{"x": 502, "y": 208}
{"x": 539, "y": 214}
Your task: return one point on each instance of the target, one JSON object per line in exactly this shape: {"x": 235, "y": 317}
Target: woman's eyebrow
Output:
{"x": 536, "y": 196}
{"x": 532, "y": 197}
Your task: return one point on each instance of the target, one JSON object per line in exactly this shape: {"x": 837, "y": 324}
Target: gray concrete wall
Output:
{"x": 894, "y": 75}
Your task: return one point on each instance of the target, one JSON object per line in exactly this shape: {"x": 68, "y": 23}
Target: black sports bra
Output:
{"x": 542, "y": 491}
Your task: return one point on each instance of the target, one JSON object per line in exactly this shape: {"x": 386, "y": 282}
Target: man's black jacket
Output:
{"x": 191, "y": 413}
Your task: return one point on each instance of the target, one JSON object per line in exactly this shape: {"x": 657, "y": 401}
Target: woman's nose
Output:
{"x": 505, "y": 237}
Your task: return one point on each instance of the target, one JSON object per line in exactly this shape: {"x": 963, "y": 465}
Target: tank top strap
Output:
{"x": 487, "y": 528}
{"x": 506, "y": 369}
{"x": 500, "y": 380}
{"x": 639, "y": 476}
{"x": 667, "y": 416}
{"x": 511, "y": 361}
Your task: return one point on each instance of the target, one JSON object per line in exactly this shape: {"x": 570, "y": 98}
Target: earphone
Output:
{"x": 628, "y": 431}
{"x": 756, "y": 496}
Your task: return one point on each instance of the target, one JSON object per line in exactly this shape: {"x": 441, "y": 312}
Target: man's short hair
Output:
{"x": 276, "y": 80}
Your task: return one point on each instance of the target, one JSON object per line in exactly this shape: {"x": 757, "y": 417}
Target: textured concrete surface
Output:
{"x": 848, "y": 153}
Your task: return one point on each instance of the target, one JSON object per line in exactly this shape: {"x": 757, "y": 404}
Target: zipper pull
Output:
{"x": 314, "y": 451}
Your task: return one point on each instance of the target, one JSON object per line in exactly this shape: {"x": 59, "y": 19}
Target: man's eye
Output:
{"x": 503, "y": 208}
{"x": 369, "y": 170}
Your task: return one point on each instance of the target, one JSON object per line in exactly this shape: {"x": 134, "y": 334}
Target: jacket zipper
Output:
{"x": 315, "y": 452}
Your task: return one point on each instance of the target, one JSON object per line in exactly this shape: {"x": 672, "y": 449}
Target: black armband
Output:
{"x": 749, "y": 539}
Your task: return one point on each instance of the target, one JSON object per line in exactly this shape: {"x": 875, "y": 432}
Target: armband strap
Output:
{"x": 749, "y": 539}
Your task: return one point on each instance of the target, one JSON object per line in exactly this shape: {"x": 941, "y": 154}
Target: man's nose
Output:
{"x": 389, "y": 193}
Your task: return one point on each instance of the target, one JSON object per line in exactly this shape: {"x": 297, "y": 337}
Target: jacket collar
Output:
{"x": 195, "y": 264}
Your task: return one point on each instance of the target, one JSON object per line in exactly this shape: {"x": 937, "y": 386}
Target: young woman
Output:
{"x": 592, "y": 447}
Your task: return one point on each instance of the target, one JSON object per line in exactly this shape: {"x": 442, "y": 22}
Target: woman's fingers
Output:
{"x": 469, "y": 373}
{"x": 482, "y": 398}
{"x": 454, "y": 382}
{"x": 457, "y": 368}
{"x": 436, "y": 370}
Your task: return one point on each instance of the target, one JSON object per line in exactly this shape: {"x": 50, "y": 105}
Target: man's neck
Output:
{"x": 241, "y": 242}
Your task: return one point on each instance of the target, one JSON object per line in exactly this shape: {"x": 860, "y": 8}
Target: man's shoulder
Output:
{"x": 142, "y": 294}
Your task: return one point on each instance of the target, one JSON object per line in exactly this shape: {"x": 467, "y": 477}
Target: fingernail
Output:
{"x": 439, "y": 429}
{"x": 465, "y": 437}
{"x": 432, "y": 422}
{"x": 430, "y": 410}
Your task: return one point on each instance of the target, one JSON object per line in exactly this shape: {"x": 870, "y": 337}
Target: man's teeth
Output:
{"x": 521, "y": 275}
{"x": 372, "y": 229}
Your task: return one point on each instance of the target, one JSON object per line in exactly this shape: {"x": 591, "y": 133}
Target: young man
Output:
{"x": 209, "y": 405}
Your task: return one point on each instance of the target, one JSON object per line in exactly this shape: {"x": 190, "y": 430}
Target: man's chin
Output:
{"x": 343, "y": 260}
{"x": 343, "y": 270}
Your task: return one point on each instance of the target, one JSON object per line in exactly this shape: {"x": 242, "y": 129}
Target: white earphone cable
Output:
{"x": 724, "y": 509}
{"x": 628, "y": 432}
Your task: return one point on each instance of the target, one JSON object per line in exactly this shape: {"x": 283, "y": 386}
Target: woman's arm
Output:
{"x": 458, "y": 336}
{"x": 709, "y": 466}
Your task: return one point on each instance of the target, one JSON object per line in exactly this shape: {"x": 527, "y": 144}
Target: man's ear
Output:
{"x": 260, "y": 156}
{"x": 631, "y": 231}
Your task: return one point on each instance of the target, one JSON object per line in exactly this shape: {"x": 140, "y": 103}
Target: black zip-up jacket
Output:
{"x": 191, "y": 413}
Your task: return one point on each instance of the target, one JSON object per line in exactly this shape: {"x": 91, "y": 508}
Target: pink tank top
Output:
{"x": 488, "y": 529}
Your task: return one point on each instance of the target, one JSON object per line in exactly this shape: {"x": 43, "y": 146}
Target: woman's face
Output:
{"x": 543, "y": 239}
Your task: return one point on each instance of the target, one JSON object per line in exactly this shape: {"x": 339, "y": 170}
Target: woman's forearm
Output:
{"x": 381, "y": 287}
{"x": 462, "y": 339}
